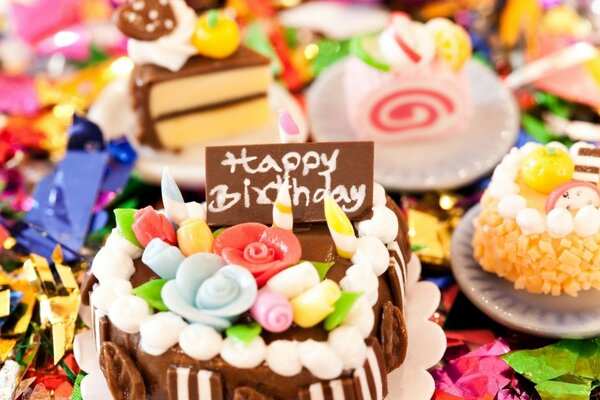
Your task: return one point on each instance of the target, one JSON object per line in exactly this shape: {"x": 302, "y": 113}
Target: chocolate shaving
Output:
{"x": 122, "y": 376}
{"x": 145, "y": 20}
{"x": 393, "y": 336}
{"x": 248, "y": 393}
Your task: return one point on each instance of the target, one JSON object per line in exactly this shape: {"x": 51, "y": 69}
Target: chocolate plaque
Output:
{"x": 242, "y": 181}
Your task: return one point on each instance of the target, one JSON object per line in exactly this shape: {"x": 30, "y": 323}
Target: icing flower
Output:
{"x": 272, "y": 311}
{"x": 149, "y": 224}
{"x": 208, "y": 292}
{"x": 261, "y": 250}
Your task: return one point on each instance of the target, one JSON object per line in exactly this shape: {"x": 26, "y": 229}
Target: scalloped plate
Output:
{"x": 563, "y": 317}
{"x": 443, "y": 163}
{"x": 426, "y": 346}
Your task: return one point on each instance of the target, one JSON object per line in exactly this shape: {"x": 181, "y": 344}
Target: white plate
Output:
{"x": 426, "y": 346}
{"x": 541, "y": 315}
{"x": 112, "y": 112}
{"x": 444, "y": 163}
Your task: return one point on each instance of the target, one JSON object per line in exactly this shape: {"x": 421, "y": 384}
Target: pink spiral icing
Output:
{"x": 258, "y": 253}
{"x": 272, "y": 311}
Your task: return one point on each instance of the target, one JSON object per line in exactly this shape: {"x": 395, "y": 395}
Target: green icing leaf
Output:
{"x": 218, "y": 232}
{"x": 321, "y": 267}
{"x": 124, "y": 219}
{"x": 150, "y": 291}
{"x": 244, "y": 333}
{"x": 416, "y": 247}
{"x": 341, "y": 309}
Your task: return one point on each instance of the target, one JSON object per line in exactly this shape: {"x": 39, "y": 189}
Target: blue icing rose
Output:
{"x": 208, "y": 292}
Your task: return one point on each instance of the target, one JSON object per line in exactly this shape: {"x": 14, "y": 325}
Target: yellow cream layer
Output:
{"x": 186, "y": 129}
{"x": 537, "y": 263}
{"x": 207, "y": 89}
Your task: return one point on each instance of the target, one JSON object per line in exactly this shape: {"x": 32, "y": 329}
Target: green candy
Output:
{"x": 322, "y": 268}
{"x": 124, "y": 219}
{"x": 244, "y": 333}
{"x": 341, "y": 309}
{"x": 218, "y": 232}
{"x": 150, "y": 291}
{"x": 366, "y": 47}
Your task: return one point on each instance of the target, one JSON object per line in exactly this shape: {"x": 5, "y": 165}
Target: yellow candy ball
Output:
{"x": 216, "y": 36}
{"x": 314, "y": 305}
{"x": 547, "y": 167}
{"x": 452, "y": 41}
{"x": 194, "y": 236}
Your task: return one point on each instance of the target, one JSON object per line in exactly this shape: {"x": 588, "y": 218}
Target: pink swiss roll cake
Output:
{"x": 408, "y": 83}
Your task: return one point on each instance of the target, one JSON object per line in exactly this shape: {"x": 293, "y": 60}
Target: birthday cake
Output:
{"x": 192, "y": 80}
{"x": 539, "y": 225}
{"x": 409, "y": 82}
{"x": 287, "y": 283}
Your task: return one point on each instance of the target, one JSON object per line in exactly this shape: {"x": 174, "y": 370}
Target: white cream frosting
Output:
{"x": 587, "y": 221}
{"x": 110, "y": 263}
{"x": 361, "y": 278}
{"x": 172, "y": 50}
{"x": 160, "y": 332}
{"x": 320, "y": 359}
{"x": 196, "y": 210}
{"x": 361, "y": 316}
{"x": 104, "y": 295}
{"x": 117, "y": 241}
{"x": 200, "y": 342}
{"x": 295, "y": 280}
{"x": 383, "y": 225}
{"x": 559, "y": 222}
{"x": 379, "y": 197}
{"x": 128, "y": 312}
{"x": 372, "y": 252}
{"x": 244, "y": 356}
{"x": 349, "y": 344}
{"x": 283, "y": 357}
{"x": 510, "y": 206}
{"x": 531, "y": 221}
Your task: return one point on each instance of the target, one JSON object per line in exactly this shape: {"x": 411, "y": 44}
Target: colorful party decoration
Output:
{"x": 340, "y": 228}
{"x": 194, "y": 236}
{"x": 149, "y": 224}
{"x": 272, "y": 311}
{"x": 216, "y": 36}
{"x": 282, "y": 208}
{"x": 314, "y": 305}
{"x": 150, "y": 291}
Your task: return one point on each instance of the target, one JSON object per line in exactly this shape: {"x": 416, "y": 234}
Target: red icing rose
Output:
{"x": 261, "y": 250}
{"x": 149, "y": 224}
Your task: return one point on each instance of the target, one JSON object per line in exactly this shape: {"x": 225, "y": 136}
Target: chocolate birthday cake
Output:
{"x": 301, "y": 297}
{"x": 192, "y": 80}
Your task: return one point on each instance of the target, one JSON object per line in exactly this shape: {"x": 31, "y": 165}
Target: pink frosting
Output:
{"x": 286, "y": 122}
{"x": 272, "y": 311}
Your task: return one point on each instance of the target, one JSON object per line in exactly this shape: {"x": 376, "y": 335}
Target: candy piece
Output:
{"x": 216, "y": 36}
{"x": 314, "y": 305}
{"x": 150, "y": 291}
{"x": 574, "y": 195}
{"x": 342, "y": 308}
{"x": 293, "y": 281}
{"x": 175, "y": 207}
{"x": 545, "y": 168}
{"x": 244, "y": 333}
{"x": 282, "y": 208}
{"x": 145, "y": 20}
{"x": 124, "y": 219}
{"x": 162, "y": 258}
{"x": 587, "y": 164}
{"x": 288, "y": 130}
{"x": 149, "y": 224}
{"x": 194, "y": 236}
{"x": 340, "y": 228}
{"x": 452, "y": 42}
{"x": 322, "y": 268}
{"x": 272, "y": 311}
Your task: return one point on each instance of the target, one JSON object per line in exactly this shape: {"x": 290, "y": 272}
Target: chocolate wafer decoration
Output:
{"x": 370, "y": 381}
{"x": 337, "y": 389}
{"x": 587, "y": 165}
{"x": 397, "y": 273}
{"x": 145, "y": 20}
{"x": 185, "y": 383}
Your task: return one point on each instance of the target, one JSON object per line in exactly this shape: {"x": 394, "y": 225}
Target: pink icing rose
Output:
{"x": 149, "y": 224}
{"x": 272, "y": 311}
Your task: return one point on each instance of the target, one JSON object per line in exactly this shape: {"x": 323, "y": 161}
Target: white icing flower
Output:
{"x": 244, "y": 356}
{"x": 295, "y": 280}
{"x": 502, "y": 186}
{"x": 383, "y": 225}
{"x": 559, "y": 222}
{"x": 361, "y": 278}
{"x": 320, "y": 359}
{"x": 172, "y": 50}
{"x": 361, "y": 316}
{"x": 117, "y": 241}
{"x": 510, "y": 206}
{"x": 531, "y": 221}
{"x": 110, "y": 264}
{"x": 372, "y": 252}
{"x": 105, "y": 294}
{"x": 283, "y": 357}
{"x": 200, "y": 342}
{"x": 379, "y": 198}
{"x": 128, "y": 312}
{"x": 587, "y": 221}
{"x": 349, "y": 344}
{"x": 196, "y": 210}
{"x": 161, "y": 331}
